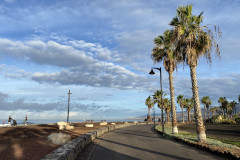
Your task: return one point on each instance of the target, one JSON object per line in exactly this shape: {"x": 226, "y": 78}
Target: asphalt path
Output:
{"x": 142, "y": 142}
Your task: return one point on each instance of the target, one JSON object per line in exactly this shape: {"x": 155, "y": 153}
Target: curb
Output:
{"x": 73, "y": 148}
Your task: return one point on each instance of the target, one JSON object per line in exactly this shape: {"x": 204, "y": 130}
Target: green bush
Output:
{"x": 228, "y": 121}
{"x": 237, "y": 119}
{"x": 217, "y": 119}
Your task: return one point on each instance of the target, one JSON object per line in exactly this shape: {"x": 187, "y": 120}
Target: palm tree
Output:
{"x": 207, "y": 102}
{"x": 231, "y": 107}
{"x": 167, "y": 108}
{"x": 203, "y": 100}
{"x": 239, "y": 98}
{"x": 164, "y": 51}
{"x": 180, "y": 100}
{"x": 157, "y": 99}
{"x": 193, "y": 42}
{"x": 188, "y": 104}
{"x": 223, "y": 101}
{"x": 149, "y": 103}
{"x": 214, "y": 110}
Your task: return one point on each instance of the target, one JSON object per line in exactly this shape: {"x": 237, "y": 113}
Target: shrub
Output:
{"x": 217, "y": 119}
{"x": 228, "y": 121}
{"x": 237, "y": 119}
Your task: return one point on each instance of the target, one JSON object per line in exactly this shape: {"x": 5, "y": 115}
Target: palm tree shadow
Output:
{"x": 146, "y": 150}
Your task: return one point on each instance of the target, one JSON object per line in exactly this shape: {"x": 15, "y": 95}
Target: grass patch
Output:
{"x": 193, "y": 138}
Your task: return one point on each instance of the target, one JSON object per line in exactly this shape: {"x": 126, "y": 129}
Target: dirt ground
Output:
{"x": 218, "y": 131}
{"x": 30, "y": 143}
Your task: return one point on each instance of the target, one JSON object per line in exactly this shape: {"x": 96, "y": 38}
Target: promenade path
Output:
{"x": 141, "y": 142}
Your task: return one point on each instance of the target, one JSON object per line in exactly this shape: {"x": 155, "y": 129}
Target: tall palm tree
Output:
{"x": 223, "y": 101}
{"x": 207, "y": 102}
{"x": 180, "y": 101}
{"x": 167, "y": 108}
{"x": 164, "y": 51}
{"x": 188, "y": 104}
{"x": 194, "y": 41}
{"x": 149, "y": 103}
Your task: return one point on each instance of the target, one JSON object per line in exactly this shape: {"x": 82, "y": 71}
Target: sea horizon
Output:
{"x": 46, "y": 121}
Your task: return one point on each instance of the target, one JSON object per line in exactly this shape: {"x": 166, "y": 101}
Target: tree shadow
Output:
{"x": 111, "y": 155}
{"x": 145, "y": 150}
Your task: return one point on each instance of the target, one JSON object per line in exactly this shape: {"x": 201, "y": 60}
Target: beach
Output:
{"x": 31, "y": 142}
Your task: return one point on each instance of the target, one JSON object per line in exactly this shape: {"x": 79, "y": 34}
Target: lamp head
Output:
{"x": 152, "y": 72}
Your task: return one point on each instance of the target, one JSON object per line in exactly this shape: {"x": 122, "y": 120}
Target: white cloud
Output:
{"x": 78, "y": 67}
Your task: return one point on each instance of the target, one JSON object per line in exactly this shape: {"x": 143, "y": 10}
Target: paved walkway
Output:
{"x": 141, "y": 142}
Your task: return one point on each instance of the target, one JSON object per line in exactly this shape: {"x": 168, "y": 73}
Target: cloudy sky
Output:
{"x": 101, "y": 51}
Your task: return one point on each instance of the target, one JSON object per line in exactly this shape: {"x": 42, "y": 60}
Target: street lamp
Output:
{"x": 152, "y": 73}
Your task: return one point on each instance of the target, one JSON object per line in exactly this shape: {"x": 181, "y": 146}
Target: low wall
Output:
{"x": 72, "y": 149}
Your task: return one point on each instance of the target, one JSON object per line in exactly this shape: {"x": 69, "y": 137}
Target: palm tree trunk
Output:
{"x": 208, "y": 112}
{"x": 174, "y": 116}
{"x": 205, "y": 113}
{"x": 168, "y": 118}
{"x": 197, "y": 110}
{"x": 188, "y": 116}
{"x": 182, "y": 114}
{"x": 148, "y": 115}
{"x": 150, "y": 118}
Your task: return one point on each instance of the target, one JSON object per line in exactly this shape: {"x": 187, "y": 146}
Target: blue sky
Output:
{"x": 101, "y": 51}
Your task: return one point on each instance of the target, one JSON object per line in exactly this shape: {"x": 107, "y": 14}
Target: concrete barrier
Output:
{"x": 72, "y": 149}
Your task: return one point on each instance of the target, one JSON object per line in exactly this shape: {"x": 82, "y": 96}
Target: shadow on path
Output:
{"x": 146, "y": 150}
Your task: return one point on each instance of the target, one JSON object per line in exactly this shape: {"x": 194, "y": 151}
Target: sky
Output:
{"x": 100, "y": 50}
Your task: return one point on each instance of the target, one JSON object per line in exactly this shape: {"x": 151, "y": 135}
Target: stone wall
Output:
{"x": 72, "y": 149}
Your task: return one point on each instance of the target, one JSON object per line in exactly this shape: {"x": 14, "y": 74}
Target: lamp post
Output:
{"x": 152, "y": 73}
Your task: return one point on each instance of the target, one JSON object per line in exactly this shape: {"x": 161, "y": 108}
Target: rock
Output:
{"x": 89, "y": 125}
{"x": 62, "y": 123}
{"x": 59, "y": 138}
{"x": 103, "y": 123}
{"x": 135, "y": 122}
{"x": 68, "y": 127}
{"x": 65, "y": 125}
{"x": 113, "y": 123}
{"x": 62, "y": 127}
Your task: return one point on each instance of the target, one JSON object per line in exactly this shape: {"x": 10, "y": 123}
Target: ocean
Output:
{"x": 46, "y": 121}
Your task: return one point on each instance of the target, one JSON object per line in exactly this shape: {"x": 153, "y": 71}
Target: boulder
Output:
{"x": 68, "y": 127}
{"x": 62, "y": 123}
{"x": 65, "y": 125}
{"x": 89, "y": 125}
{"x": 103, "y": 123}
{"x": 113, "y": 123}
{"x": 62, "y": 127}
{"x": 59, "y": 138}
